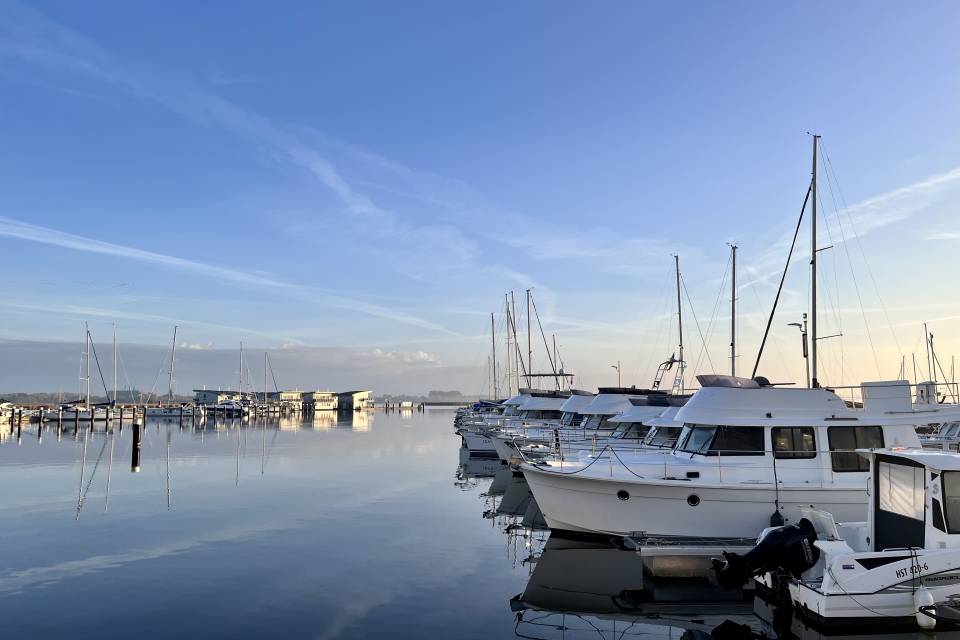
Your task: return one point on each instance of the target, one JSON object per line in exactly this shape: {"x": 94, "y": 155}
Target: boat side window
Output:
{"x": 951, "y": 500}
{"x": 846, "y": 439}
{"x": 567, "y": 419}
{"x": 900, "y": 489}
{"x": 737, "y": 441}
{"x": 791, "y": 443}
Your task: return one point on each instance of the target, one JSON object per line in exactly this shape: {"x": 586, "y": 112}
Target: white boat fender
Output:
{"x": 923, "y": 601}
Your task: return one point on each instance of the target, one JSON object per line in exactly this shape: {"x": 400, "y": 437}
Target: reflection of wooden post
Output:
{"x": 135, "y": 454}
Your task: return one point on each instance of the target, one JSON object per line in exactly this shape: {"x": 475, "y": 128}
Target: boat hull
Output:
{"x": 679, "y": 509}
{"x": 476, "y": 442}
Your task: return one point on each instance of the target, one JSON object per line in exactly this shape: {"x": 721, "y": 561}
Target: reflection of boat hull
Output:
{"x": 483, "y": 467}
{"x": 665, "y": 508}
{"x": 501, "y": 480}
{"x": 591, "y": 577}
{"x": 516, "y": 498}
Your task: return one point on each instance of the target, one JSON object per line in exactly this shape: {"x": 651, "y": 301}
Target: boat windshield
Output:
{"x": 596, "y": 422}
{"x": 663, "y": 437}
{"x": 511, "y": 410}
{"x": 630, "y": 431}
{"x": 571, "y": 419}
{"x": 714, "y": 440}
{"x": 949, "y": 429}
{"x": 541, "y": 414}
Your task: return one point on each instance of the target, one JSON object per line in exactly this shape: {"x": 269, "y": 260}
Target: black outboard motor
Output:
{"x": 789, "y": 548}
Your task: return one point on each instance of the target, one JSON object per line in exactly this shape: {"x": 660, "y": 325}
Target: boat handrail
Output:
{"x": 813, "y": 470}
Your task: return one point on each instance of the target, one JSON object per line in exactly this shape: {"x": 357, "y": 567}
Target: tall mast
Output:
{"x": 264, "y": 377}
{"x": 814, "y": 383}
{"x": 529, "y": 345}
{"x": 682, "y": 363}
{"x": 86, "y": 328}
{"x": 493, "y": 351}
{"x": 173, "y": 356}
{"x": 556, "y": 364}
{"x": 114, "y": 363}
{"x": 513, "y": 325}
{"x": 733, "y": 310}
{"x": 241, "y": 370}
{"x": 506, "y": 304}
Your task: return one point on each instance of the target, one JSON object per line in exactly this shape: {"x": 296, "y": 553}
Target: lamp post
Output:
{"x": 803, "y": 334}
{"x": 617, "y": 367}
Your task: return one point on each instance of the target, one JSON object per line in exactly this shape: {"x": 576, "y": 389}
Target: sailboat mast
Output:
{"x": 733, "y": 310}
{"x": 814, "y": 383}
{"x": 676, "y": 260}
{"x": 493, "y": 352}
{"x": 241, "y": 371}
{"x": 529, "y": 346}
{"x": 87, "y": 365}
{"x": 114, "y": 363}
{"x": 173, "y": 355}
{"x": 513, "y": 326}
{"x": 506, "y": 304}
{"x": 265, "y": 378}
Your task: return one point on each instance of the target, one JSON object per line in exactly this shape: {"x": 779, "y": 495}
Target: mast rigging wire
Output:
{"x": 866, "y": 263}
{"x": 703, "y": 342}
{"x": 783, "y": 277}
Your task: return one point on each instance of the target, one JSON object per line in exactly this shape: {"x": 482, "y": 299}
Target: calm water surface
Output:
{"x": 368, "y": 525}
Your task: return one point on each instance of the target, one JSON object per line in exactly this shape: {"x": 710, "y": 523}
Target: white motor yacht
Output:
{"x": 169, "y": 412}
{"x": 473, "y": 429}
{"x": 594, "y": 424}
{"x": 750, "y": 455}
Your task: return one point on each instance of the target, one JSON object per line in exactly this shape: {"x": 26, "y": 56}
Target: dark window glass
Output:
{"x": 793, "y": 442}
{"x": 844, "y": 440}
{"x": 663, "y": 436}
{"x": 698, "y": 439}
{"x": 737, "y": 441}
{"x": 951, "y": 500}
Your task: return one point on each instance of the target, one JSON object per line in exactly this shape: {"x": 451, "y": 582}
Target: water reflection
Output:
{"x": 239, "y": 528}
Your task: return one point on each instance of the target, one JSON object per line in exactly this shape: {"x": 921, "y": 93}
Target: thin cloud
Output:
{"x": 45, "y": 235}
{"x": 944, "y": 235}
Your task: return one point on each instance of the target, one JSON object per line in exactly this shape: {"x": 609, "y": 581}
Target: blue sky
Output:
{"x": 374, "y": 176}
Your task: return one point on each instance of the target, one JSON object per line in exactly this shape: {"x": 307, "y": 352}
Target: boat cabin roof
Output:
{"x": 516, "y": 400}
{"x": 610, "y": 404}
{"x": 577, "y": 402}
{"x": 777, "y": 406}
{"x": 667, "y": 418}
{"x": 930, "y": 458}
{"x": 639, "y": 413}
{"x": 541, "y": 403}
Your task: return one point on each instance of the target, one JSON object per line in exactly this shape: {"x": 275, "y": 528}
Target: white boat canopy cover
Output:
{"x": 576, "y": 402}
